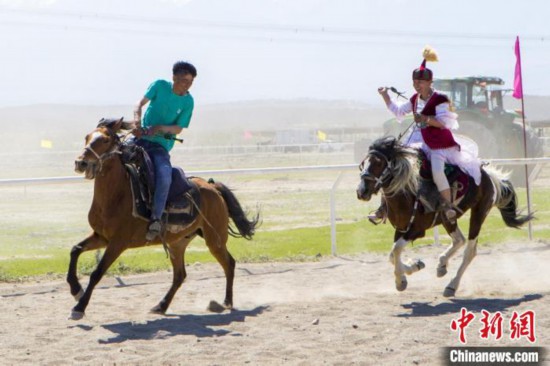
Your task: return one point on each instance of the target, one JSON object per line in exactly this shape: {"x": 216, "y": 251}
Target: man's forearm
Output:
{"x": 137, "y": 115}
{"x": 173, "y": 129}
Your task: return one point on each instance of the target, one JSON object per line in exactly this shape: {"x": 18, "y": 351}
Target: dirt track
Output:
{"x": 335, "y": 311}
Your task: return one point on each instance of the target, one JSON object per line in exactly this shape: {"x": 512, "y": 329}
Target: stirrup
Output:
{"x": 154, "y": 230}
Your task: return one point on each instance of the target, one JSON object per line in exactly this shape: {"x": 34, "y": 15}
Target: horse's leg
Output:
{"x": 177, "y": 254}
{"x": 477, "y": 217}
{"x": 400, "y": 268}
{"x": 458, "y": 241}
{"x": 112, "y": 252}
{"x": 92, "y": 242}
{"x": 216, "y": 240}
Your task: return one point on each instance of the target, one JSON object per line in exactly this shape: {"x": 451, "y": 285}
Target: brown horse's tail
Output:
{"x": 507, "y": 202}
{"x": 245, "y": 227}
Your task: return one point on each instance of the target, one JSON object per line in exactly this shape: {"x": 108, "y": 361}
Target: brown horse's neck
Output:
{"x": 112, "y": 187}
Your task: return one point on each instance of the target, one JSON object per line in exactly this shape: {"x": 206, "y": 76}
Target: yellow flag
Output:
{"x": 321, "y": 135}
{"x": 46, "y": 144}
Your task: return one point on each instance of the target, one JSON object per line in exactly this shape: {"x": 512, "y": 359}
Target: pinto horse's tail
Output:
{"x": 507, "y": 201}
{"x": 246, "y": 227}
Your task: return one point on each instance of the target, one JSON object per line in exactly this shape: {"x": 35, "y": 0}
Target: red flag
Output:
{"x": 518, "y": 85}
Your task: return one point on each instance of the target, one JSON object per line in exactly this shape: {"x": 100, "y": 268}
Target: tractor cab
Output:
{"x": 476, "y": 95}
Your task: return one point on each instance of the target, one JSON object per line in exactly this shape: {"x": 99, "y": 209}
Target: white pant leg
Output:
{"x": 438, "y": 171}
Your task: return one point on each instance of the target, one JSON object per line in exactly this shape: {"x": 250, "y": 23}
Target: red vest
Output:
{"x": 435, "y": 137}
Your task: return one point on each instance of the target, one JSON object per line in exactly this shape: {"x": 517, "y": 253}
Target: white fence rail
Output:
{"x": 538, "y": 162}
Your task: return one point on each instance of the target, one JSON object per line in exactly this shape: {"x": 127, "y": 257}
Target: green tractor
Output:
{"x": 478, "y": 101}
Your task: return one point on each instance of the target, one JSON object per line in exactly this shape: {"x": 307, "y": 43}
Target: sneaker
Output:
{"x": 377, "y": 217}
{"x": 153, "y": 231}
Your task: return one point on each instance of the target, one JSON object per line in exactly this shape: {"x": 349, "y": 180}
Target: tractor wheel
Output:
{"x": 485, "y": 139}
{"x": 535, "y": 149}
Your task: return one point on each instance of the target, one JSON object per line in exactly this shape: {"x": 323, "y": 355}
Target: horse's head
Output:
{"x": 100, "y": 144}
{"x": 376, "y": 168}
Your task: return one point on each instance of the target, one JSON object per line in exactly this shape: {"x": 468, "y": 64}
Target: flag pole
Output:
{"x": 518, "y": 92}
{"x": 527, "y": 184}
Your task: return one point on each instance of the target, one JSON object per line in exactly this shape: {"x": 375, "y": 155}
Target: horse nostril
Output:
{"x": 80, "y": 165}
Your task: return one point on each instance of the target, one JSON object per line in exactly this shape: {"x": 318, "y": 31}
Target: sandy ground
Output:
{"x": 339, "y": 310}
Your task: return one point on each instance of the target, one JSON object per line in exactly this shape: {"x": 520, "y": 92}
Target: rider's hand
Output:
{"x": 383, "y": 90}
{"x": 137, "y": 132}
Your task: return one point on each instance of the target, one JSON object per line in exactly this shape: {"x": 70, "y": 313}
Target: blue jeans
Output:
{"x": 163, "y": 175}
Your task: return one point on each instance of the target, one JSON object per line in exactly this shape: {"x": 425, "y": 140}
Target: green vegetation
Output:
{"x": 41, "y": 223}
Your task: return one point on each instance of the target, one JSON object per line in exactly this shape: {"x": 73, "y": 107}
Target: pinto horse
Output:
{"x": 116, "y": 229}
{"x": 394, "y": 169}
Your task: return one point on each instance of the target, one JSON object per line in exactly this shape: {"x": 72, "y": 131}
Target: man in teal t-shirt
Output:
{"x": 168, "y": 113}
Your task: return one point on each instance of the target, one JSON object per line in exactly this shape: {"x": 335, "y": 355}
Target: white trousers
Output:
{"x": 438, "y": 170}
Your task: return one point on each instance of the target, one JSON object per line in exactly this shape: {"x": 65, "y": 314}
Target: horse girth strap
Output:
{"x": 413, "y": 216}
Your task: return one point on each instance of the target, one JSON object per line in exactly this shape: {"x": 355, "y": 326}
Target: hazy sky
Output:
{"x": 108, "y": 51}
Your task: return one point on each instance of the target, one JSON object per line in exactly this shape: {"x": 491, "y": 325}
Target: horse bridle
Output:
{"x": 107, "y": 154}
{"x": 384, "y": 176}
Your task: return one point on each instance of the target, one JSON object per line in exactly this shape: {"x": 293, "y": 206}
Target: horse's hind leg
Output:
{"x": 477, "y": 217}
{"x": 216, "y": 240}
{"x": 112, "y": 252}
{"x": 177, "y": 254}
{"x": 92, "y": 242}
{"x": 458, "y": 241}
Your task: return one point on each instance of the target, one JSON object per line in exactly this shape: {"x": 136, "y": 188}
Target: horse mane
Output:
{"x": 404, "y": 165}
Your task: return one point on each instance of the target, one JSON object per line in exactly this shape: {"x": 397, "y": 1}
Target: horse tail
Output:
{"x": 506, "y": 201}
{"x": 246, "y": 227}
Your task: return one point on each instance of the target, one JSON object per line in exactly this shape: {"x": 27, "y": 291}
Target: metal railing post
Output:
{"x": 333, "y": 213}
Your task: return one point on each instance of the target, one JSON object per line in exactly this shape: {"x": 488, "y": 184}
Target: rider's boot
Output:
{"x": 447, "y": 206}
{"x": 153, "y": 230}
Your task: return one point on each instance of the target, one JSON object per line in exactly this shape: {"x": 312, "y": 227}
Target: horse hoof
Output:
{"x": 441, "y": 271}
{"x": 401, "y": 286}
{"x": 216, "y": 307}
{"x": 79, "y": 295}
{"x": 157, "y": 310}
{"x": 76, "y": 315}
{"x": 420, "y": 265}
{"x": 449, "y": 292}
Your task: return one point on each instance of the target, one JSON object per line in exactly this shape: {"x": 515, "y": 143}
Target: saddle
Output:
{"x": 428, "y": 193}
{"x": 183, "y": 201}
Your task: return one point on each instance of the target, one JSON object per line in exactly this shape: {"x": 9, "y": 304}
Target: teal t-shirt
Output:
{"x": 166, "y": 108}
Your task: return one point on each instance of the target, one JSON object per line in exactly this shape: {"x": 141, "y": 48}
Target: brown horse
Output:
{"x": 115, "y": 229}
{"x": 393, "y": 168}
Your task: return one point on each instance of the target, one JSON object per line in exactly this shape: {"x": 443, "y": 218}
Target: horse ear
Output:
{"x": 117, "y": 124}
{"x": 127, "y": 125}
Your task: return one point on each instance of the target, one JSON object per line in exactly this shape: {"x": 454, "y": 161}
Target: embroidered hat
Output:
{"x": 423, "y": 73}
